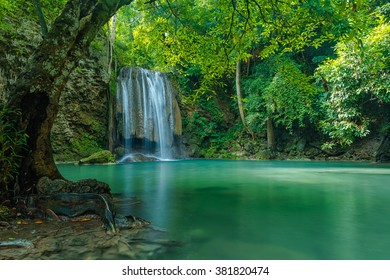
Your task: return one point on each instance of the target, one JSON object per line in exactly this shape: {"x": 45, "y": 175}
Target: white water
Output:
{"x": 145, "y": 99}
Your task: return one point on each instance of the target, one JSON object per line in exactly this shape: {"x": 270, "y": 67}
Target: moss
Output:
{"x": 12, "y": 141}
{"x": 99, "y": 157}
{"x": 85, "y": 145}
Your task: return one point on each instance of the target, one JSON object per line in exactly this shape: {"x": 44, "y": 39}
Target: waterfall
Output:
{"x": 148, "y": 114}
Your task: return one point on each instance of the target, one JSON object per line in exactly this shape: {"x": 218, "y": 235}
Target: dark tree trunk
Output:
{"x": 383, "y": 152}
{"x": 38, "y": 89}
{"x": 239, "y": 97}
{"x": 111, "y": 41}
{"x": 238, "y": 92}
{"x": 42, "y": 21}
{"x": 271, "y": 135}
{"x": 110, "y": 136}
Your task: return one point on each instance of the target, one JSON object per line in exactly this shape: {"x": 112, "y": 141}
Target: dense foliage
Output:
{"x": 359, "y": 85}
{"x": 279, "y": 90}
{"x": 11, "y": 141}
{"x": 11, "y": 9}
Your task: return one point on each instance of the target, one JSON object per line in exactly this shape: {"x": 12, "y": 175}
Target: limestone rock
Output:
{"x": 47, "y": 186}
{"x": 383, "y": 153}
{"x": 90, "y": 186}
{"x": 138, "y": 157}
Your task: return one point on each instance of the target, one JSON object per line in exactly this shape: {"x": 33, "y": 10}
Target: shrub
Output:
{"x": 12, "y": 142}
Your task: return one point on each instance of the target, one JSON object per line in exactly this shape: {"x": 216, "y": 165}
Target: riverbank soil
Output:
{"x": 79, "y": 238}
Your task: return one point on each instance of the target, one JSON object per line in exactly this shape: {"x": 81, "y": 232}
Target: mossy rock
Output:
{"x": 5, "y": 213}
{"x": 98, "y": 157}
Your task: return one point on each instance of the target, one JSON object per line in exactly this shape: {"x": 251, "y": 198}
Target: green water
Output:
{"x": 258, "y": 209}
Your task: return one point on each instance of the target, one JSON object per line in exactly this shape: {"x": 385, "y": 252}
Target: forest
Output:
{"x": 253, "y": 80}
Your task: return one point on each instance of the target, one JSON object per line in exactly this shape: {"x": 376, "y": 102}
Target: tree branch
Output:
{"x": 41, "y": 17}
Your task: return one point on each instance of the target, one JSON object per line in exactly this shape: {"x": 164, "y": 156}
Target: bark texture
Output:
{"x": 38, "y": 89}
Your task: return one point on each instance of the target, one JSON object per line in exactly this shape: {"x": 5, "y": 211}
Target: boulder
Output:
{"x": 119, "y": 152}
{"x": 138, "y": 157}
{"x": 99, "y": 157}
{"x": 47, "y": 186}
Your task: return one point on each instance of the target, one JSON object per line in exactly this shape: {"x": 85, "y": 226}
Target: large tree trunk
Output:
{"x": 38, "y": 89}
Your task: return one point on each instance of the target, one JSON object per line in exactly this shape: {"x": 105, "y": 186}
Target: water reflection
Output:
{"x": 162, "y": 194}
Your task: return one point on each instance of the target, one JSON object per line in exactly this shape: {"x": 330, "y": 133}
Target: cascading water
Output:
{"x": 148, "y": 113}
